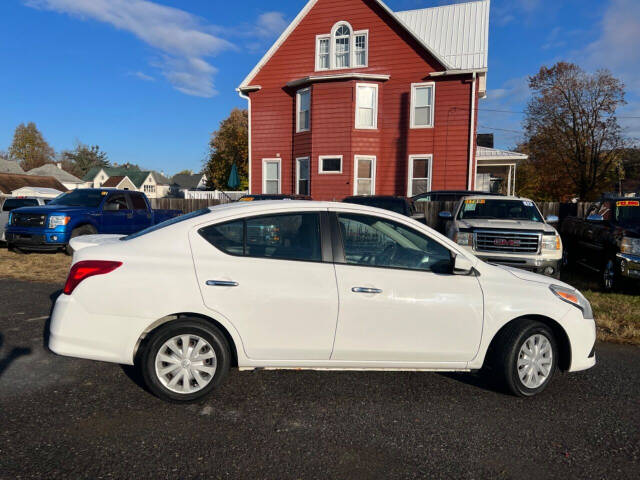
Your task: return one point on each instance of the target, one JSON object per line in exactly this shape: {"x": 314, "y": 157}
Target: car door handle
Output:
{"x": 222, "y": 283}
{"x": 365, "y": 290}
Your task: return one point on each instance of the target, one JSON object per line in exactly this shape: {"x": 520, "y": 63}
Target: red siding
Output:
{"x": 391, "y": 51}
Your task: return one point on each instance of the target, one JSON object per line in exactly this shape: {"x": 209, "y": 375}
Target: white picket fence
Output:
{"x": 221, "y": 196}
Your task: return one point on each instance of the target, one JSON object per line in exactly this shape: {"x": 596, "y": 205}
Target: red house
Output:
{"x": 355, "y": 99}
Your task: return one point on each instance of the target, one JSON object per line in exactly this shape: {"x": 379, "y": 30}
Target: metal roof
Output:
{"x": 459, "y": 33}
{"x": 486, "y": 153}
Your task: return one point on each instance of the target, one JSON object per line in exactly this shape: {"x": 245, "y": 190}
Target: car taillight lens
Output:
{"x": 85, "y": 269}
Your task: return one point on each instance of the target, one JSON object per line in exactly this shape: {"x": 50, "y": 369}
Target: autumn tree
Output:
{"x": 83, "y": 158}
{"x": 229, "y": 145}
{"x": 29, "y": 147}
{"x": 572, "y": 134}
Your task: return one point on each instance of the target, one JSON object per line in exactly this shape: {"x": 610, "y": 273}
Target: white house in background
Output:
{"x": 153, "y": 184}
{"x": 71, "y": 182}
{"x": 120, "y": 182}
{"x": 496, "y": 170}
{"x": 183, "y": 183}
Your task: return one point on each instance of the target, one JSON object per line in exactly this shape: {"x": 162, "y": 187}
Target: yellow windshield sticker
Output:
{"x": 628, "y": 203}
{"x": 103, "y": 193}
{"x": 246, "y": 199}
{"x": 474, "y": 201}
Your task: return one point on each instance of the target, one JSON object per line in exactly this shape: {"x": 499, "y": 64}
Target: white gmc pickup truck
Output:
{"x": 507, "y": 231}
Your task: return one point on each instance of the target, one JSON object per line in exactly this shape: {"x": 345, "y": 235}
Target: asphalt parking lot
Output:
{"x": 68, "y": 418}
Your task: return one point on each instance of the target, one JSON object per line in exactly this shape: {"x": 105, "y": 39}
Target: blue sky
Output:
{"x": 149, "y": 81}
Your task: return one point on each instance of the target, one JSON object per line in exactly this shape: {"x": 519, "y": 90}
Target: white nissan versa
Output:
{"x": 311, "y": 285}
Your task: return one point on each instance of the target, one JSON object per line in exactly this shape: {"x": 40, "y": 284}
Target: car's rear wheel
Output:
{"x": 185, "y": 360}
{"x": 527, "y": 356}
{"x": 78, "y": 232}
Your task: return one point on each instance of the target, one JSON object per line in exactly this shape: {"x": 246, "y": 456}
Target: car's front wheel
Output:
{"x": 185, "y": 360}
{"x": 527, "y": 357}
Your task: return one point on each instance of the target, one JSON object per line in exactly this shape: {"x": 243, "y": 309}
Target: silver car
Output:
{"x": 11, "y": 203}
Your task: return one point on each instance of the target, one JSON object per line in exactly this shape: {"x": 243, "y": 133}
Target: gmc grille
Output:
{"x": 28, "y": 220}
{"x": 506, "y": 242}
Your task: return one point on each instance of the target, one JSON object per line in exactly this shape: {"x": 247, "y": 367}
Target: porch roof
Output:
{"x": 494, "y": 155}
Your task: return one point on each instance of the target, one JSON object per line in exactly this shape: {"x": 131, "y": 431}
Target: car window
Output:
{"x": 137, "y": 200}
{"x": 167, "y": 223}
{"x": 116, "y": 202}
{"x": 13, "y": 203}
{"x": 488, "y": 209}
{"x": 285, "y": 237}
{"x": 377, "y": 242}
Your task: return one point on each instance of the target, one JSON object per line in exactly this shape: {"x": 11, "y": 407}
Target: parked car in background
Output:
{"x": 401, "y": 205}
{"x": 445, "y": 195}
{"x": 311, "y": 285}
{"x": 607, "y": 240}
{"x": 266, "y": 196}
{"x": 81, "y": 212}
{"x": 11, "y": 203}
{"x": 508, "y": 231}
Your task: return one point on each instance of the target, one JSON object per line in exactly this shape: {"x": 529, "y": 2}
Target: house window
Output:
{"x": 365, "y": 175}
{"x": 330, "y": 164}
{"x": 366, "y": 106}
{"x": 422, "y": 95}
{"x": 303, "y": 100}
{"x": 323, "y": 62}
{"x": 342, "y": 47}
{"x": 419, "y": 174}
{"x": 302, "y": 176}
{"x": 271, "y": 176}
{"x": 360, "y": 50}
{"x": 149, "y": 188}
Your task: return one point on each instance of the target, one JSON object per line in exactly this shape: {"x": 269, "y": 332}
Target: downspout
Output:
{"x": 472, "y": 129}
{"x": 248, "y": 99}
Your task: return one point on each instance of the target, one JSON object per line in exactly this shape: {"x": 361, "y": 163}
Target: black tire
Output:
{"x": 190, "y": 326}
{"x": 507, "y": 353}
{"x": 78, "y": 232}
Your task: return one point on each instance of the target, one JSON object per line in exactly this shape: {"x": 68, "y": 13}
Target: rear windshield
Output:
{"x": 494, "y": 209}
{"x": 80, "y": 198}
{"x": 167, "y": 223}
{"x": 13, "y": 203}
{"x": 392, "y": 204}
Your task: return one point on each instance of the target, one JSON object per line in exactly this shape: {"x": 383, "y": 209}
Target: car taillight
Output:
{"x": 85, "y": 269}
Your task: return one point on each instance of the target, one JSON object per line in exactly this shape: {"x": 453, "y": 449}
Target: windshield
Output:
{"x": 392, "y": 204}
{"x": 166, "y": 223}
{"x": 628, "y": 212}
{"x": 80, "y": 198}
{"x": 498, "y": 209}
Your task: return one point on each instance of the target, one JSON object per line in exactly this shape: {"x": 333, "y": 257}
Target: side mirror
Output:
{"x": 594, "y": 217}
{"x": 445, "y": 215}
{"x": 462, "y": 265}
{"x": 553, "y": 219}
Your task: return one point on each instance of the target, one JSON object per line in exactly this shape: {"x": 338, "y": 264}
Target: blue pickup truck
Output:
{"x": 81, "y": 212}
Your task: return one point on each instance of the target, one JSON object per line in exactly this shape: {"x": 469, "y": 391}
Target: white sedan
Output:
{"x": 311, "y": 285}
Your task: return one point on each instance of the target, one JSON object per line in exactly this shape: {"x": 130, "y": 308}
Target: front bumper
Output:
{"x": 36, "y": 239}
{"x": 546, "y": 265}
{"x": 629, "y": 265}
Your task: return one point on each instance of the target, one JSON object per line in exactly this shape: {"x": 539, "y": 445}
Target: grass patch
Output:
{"x": 34, "y": 267}
{"x": 617, "y": 314}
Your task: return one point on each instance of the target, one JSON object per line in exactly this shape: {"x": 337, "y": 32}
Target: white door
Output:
{"x": 266, "y": 276}
{"x": 398, "y": 300}
{"x": 365, "y": 175}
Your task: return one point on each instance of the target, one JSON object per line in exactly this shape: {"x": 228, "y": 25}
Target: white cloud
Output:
{"x": 183, "y": 39}
{"x": 142, "y": 76}
{"x": 270, "y": 24}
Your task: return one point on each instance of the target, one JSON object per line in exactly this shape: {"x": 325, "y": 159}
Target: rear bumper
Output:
{"x": 629, "y": 265}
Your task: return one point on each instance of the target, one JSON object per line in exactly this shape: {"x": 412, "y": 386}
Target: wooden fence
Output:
{"x": 185, "y": 205}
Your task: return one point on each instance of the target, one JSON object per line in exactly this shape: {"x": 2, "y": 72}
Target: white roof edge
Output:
{"x": 339, "y": 76}
{"x": 487, "y": 153}
{"x": 458, "y": 72}
{"x": 303, "y": 13}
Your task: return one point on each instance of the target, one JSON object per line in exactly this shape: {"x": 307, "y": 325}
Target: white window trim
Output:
{"x": 433, "y": 103}
{"x": 298, "y": 129}
{"x": 322, "y": 157}
{"x": 332, "y": 48}
{"x": 373, "y": 172}
{"x": 264, "y": 171}
{"x": 410, "y": 172}
{"x": 308, "y": 159}
{"x": 375, "y": 116}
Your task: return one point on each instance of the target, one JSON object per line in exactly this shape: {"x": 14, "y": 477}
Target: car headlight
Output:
{"x": 57, "y": 220}
{"x": 630, "y": 245}
{"x": 551, "y": 242}
{"x": 573, "y": 297}
{"x": 463, "y": 238}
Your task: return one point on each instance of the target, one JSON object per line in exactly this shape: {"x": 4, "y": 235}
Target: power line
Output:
{"x": 522, "y": 112}
{"x": 520, "y": 132}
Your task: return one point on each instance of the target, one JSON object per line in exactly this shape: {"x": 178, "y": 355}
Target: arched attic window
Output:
{"x": 342, "y": 48}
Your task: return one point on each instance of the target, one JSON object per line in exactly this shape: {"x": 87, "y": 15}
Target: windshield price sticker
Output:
{"x": 474, "y": 201}
{"x": 628, "y": 203}
{"x": 528, "y": 204}
{"x": 103, "y": 193}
